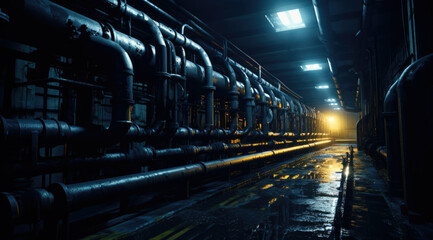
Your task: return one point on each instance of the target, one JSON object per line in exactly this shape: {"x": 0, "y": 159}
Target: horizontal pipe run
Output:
{"x": 53, "y": 133}
{"x": 144, "y": 156}
{"x": 62, "y": 198}
{"x": 88, "y": 193}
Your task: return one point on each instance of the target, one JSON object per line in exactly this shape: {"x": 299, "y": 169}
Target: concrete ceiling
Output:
{"x": 243, "y": 23}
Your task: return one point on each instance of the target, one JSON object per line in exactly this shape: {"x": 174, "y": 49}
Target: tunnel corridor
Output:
{"x": 228, "y": 119}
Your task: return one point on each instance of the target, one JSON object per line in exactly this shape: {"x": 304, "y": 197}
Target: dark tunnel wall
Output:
{"x": 396, "y": 98}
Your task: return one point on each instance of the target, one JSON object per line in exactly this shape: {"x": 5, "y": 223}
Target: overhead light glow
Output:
{"x": 330, "y": 66}
{"x": 333, "y": 104}
{"x": 322, "y": 87}
{"x": 311, "y": 67}
{"x": 330, "y": 100}
{"x": 286, "y": 20}
{"x": 337, "y": 108}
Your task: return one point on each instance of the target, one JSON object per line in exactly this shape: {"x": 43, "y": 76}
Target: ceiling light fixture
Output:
{"x": 330, "y": 66}
{"x": 311, "y": 67}
{"x": 337, "y": 108}
{"x": 333, "y": 104}
{"x": 330, "y": 100}
{"x": 322, "y": 87}
{"x": 286, "y": 20}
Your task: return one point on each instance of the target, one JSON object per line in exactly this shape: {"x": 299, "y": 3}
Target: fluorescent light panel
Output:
{"x": 311, "y": 67}
{"x": 322, "y": 87}
{"x": 337, "y": 108}
{"x": 330, "y": 100}
{"x": 286, "y": 20}
{"x": 333, "y": 104}
{"x": 330, "y": 66}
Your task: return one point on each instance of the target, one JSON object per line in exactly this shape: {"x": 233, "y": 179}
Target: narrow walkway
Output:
{"x": 367, "y": 212}
{"x": 295, "y": 202}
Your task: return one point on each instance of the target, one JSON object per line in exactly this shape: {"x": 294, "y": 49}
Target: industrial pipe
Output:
{"x": 118, "y": 67}
{"x": 63, "y": 198}
{"x": 285, "y": 109}
{"x": 262, "y": 105}
{"x": 273, "y": 107}
{"x": 414, "y": 104}
{"x": 249, "y": 104}
{"x": 208, "y": 87}
{"x": 233, "y": 93}
{"x": 392, "y": 136}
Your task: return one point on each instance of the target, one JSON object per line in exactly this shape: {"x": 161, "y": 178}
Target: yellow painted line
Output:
{"x": 272, "y": 201}
{"x": 296, "y": 176}
{"x": 229, "y": 200}
{"x": 167, "y": 233}
{"x": 114, "y": 235}
{"x": 267, "y": 186}
{"x": 180, "y": 233}
{"x": 235, "y": 202}
{"x": 285, "y": 177}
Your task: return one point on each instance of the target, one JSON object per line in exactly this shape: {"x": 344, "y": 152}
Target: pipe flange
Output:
{"x": 219, "y": 146}
{"x": 177, "y": 77}
{"x": 141, "y": 155}
{"x": 189, "y": 150}
{"x": 61, "y": 198}
{"x": 9, "y": 207}
{"x": 163, "y": 75}
{"x": 44, "y": 127}
{"x": 234, "y": 93}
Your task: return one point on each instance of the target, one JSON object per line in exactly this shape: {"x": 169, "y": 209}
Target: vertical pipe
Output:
{"x": 249, "y": 100}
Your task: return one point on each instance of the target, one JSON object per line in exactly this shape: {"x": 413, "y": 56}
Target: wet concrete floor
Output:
{"x": 295, "y": 202}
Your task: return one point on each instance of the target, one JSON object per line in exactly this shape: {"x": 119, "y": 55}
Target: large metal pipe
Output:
{"x": 257, "y": 77}
{"x": 143, "y": 156}
{"x": 300, "y": 117}
{"x": 284, "y": 109}
{"x": 118, "y": 66}
{"x": 63, "y": 198}
{"x": 233, "y": 93}
{"x": 392, "y": 136}
{"x": 415, "y": 116}
{"x": 263, "y": 104}
{"x": 249, "y": 101}
{"x": 273, "y": 108}
{"x": 208, "y": 87}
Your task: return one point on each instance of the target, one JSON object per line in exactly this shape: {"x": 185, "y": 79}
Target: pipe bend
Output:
{"x": 118, "y": 66}
{"x": 390, "y": 103}
{"x": 249, "y": 101}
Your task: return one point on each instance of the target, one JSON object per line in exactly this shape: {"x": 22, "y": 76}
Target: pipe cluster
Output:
{"x": 133, "y": 94}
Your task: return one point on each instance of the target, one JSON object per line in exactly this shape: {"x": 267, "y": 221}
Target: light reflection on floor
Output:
{"x": 296, "y": 202}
